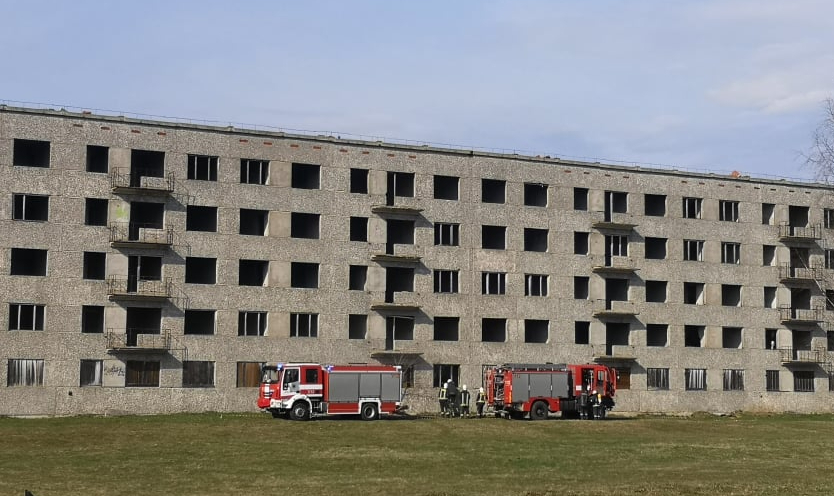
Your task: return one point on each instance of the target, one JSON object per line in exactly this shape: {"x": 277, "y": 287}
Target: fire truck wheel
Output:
{"x": 538, "y": 411}
{"x": 300, "y": 411}
{"x": 369, "y": 411}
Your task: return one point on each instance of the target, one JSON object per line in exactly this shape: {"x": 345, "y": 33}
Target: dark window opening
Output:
{"x": 445, "y": 281}
{"x": 140, "y": 373}
{"x": 692, "y": 208}
{"x": 202, "y": 168}
{"x": 616, "y": 202}
{"x": 493, "y": 237}
{"x": 728, "y": 211}
{"x": 145, "y": 163}
{"x": 693, "y": 293}
{"x": 768, "y": 255}
{"x": 768, "y": 214}
{"x": 443, "y": 372}
{"x": 304, "y": 325}
{"x": 199, "y": 322}
{"x": 359, "y": 181}
{"x": 656, "y": 291}
{"x": 536, "y": 331}
{"x": 535, "y": 284}
{"x": 98, "y": 158}
{"x": 655, "y": 248}
{"x": 770, "y": 339}
{"x": 304, "y": 225}
{"x": 31, "y": 153}
{"x": 90, "y": 373}
{"x": 251, "y": 323}
{"x": 26, "y": 317}
{"x": 254, "y": 171}
{"x": 398, "y": 232}
{"x": 693, "y": 336}
{"x": 306, "y": 176}
{"x": 731, "y": 295}
{"x": 28, "y": 262}
{"x": 656, "y": 205}
{"x": 200, "y": 218}
{"x": 305, "y": 275}
{"x": 493, "y": 283}
{"x": 446, "y": 234}
{"x": 95, "y": 211}
{"x": 253, "y": 272}
{"x": 199, "y": 270}
{"x": 359, "y": 229}
{"x": 493, "y": 330}
{"x": 399, "y": 184}
{"x": 772, "y": 380}
{"x": 398, "y": 329}
{"x": 731, "y": 337}
{"x": 535, "y": 195}
{"x": 616, "y": 290}
{"x": 398, "y": 279}
{"x": 535, "y": 240}
{"x": 358, "y": 277}
{"x": 580, "y": 199}
{"x": 94, "y": 266}
{"x": 253, "y": 222}
{"x": 197, "y": 374}
{"x": 616, "y": 334}
{"x": 581, "y": 285}
{"x": 493, "y": 191}
{"x": 657, "y": 335}
{"x": 580, "y": 243}
{"x": 140, "y": 320}
{"x": 693, "y": 250}
{"x": 143, "y": 268}
{"x": 145, "y": 215}
{"x": 92, "y": 319}
{"x": 581, "y": 332}
{"x": 446, "y": 328}
{"x": 770, "y": 297}
{"x": 357, "y": 326}
{"x": 30, "y": 207}
{"x": 446, "y": 187}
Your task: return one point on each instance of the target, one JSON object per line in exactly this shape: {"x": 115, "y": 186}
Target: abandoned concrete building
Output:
{"x": 153, "y": 267}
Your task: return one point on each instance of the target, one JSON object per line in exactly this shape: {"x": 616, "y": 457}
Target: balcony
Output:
{"x": 799, "y": 235}
{"x": 800, "y": 316}
{"x": 147, "y": 340}
{"x": 613, "y": 221}
{"x": 138, "y": 181}
{"x": 136, "y": 235}
{"x": 613, "y": 265}
{"x": 395, "y": 253}
{"x": 614, "y": 353}
{"x": 395, "y": 301}
{"x": 136, "y": 288}
{"x": 799, "y": 276}
{"x": 614, "y": 308}
{"x": 790, "y": 356}
{"x": 406, "y": 206}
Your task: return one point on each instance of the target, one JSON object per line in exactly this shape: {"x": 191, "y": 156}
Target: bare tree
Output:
{"x": 821, "y": 156}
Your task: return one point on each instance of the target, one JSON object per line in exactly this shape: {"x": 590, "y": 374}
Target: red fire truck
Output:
{"x": 304, "y": 390}
{"x": 515, "y": 390}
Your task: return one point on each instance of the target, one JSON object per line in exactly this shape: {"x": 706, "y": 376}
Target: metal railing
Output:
{"x": 136, "y": 286}
{"x": 789, "y": 354}
{"x": 787, "y": 231}
{"x": 786, "y": 271}
{"x": 141, "y": 179}
{"x": 789, "y": 313}
{"x": 140, "y": 233}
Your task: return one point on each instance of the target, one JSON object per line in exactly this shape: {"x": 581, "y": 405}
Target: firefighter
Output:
{"x": 454, "y": 398}
{"x": 444, "y": 400}
{"x": 596, "y": 404}
{"x": 480, "y": 401}
{"x": 464, "y": 402}
{"x": 584, "y": 404}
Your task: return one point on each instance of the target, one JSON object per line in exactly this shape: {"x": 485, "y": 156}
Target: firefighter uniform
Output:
{"x": 464, "y": 402}
{"x": 444, "y": 401}
{"x": 480, "y": 401}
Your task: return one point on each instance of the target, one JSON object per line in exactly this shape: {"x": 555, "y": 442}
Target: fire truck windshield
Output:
{"x": 270, "y": 375}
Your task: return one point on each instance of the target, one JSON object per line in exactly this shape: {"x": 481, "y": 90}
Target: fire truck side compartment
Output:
{"x": 349, "y": 387}
{"x": 530, "y": 385}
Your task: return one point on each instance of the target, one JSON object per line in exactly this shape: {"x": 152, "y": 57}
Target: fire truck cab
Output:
{"x": 304, "y": 390}
{"x": 516, "y": 390}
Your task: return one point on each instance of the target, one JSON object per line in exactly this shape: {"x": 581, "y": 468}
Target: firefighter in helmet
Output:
{"x": 454, "y": 398}
{"x": 480, "y": 401}
{"x": 444, "y": 400}
{"x": 596, "y": 404}
{"x": 584, "y": 404}
{"x": 464, "y": 402}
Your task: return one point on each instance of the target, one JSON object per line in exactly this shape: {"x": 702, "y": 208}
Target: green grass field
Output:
{"x": 255, "y": 454}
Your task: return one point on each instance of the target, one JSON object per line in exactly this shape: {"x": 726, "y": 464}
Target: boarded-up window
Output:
{"x": 249, "y": 374}
{"x": 140, "y": 373}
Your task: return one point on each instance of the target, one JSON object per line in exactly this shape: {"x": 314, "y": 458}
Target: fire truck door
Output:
{"x": 291, "y": 383}
{"x": 588, "y": 379}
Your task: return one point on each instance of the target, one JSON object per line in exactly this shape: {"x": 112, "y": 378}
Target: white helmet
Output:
{"x": 480, "y": 390}
{"x": 464, "y": 387}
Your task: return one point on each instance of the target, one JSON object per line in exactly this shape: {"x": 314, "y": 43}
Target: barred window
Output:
{"x": 202, "y": 168}
{"x": 493, "y": 283}
{"x": 692, "y": 208}
{"x": 693, "y": 250}
{"x": 254, "y": 171}
{"x": 617, "y": 245}
{"x": 803, "y": 381}
{"x": 26, "y": 317}
{"x": 535, "y": 285}
{"x": 731, "y": 253}
{"x": 304, "y": 325}
{"x": 446, "y": 234}
{"x": 772, "y": 380}
{"x": 733, "y": 380}
{"x": 251, "y": 323}
{"x": 728, "y": 210}
{"x": 696, "y": 379}
{"x": 657, "y": 379}
{"x": 25, "y": 372}
{"x": 445, "y": 281}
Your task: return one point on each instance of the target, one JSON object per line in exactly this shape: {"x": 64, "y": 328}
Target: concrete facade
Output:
{"x": 743, "y": 326}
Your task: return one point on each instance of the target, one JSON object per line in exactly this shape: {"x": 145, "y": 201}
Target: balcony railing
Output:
{"x": 137, "y": 234}
{"x": 141, "y": 180}
{"x": 788, "y": 314}
{"x": 792, "y": 355}
{"x": 138, "y": 339}
{"x": 802, "y": 234}
{"x": 788, "y": 274}
{"x": 133, "y": 287}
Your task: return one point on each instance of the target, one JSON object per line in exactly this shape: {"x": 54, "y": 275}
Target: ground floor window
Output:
{"x": 623, "y": 378}
{"x": 25, "y": 372}
{"x": 696, "y": 379}
{"x": 140, "y": 373}
{"x": 198, "y": 374}
{"x": 772, "y": 380}
{"x": 657, "y": 379}
{"x": 90, "y": 373}
{"x": 444, "y": 372}
{"x": 733, "y": 380}
{"x": 803, "y": 381}
{"x": 249, "y": 374}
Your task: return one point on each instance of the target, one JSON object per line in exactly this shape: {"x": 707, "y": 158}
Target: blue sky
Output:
{"x": 717, "y": 85}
